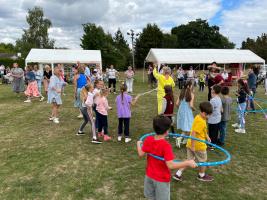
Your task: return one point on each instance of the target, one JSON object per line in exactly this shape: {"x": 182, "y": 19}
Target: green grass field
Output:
{"x": 42, "y": 160}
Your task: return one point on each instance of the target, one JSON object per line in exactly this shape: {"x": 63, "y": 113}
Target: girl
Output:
{"x": 54, "y": 94}
{"x": 87, "y": 111}
{"x": 47, "y": 76}
{"x": 102, "y": 108}
{"x": 185, "y": 117}
{"x": 129, "y": 79}
{"x": 124, "y": 102}
{"x": 39, "y": 77}
{"x": 32, "y": 87}
{"x": 241, "y": 94}
{"x": 168, "y": 104}
{"x": 79, "y": 81}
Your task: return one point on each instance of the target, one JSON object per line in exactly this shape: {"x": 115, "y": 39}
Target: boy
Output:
{"x": 197, "y": 150}
{"x": 215, "y": 118}
{"x": 157, "y": 179}
{"x": 226, "y": 114}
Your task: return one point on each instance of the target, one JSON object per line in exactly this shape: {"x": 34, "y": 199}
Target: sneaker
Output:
{"x": 236, "y": 125}
{"x": 106, "y": 138}
{"x": 177, "y": 178}
{"x": 240, "y": 130}
{"x": 100, "y": 134}
{"x": 80, "y": 116}
{"x": 128, "y": 140}
{"x": 27, "y": 101}
{"x": 56, "y": 121}
{"x": 51, "y": 118}
{"x": 205, "y": 178}
{"x": 96, "y": 141}
{"x": 211, "y": 148}
{"x": 178, "y": 142}
{"x": 80, "y": 133}
{"x": 119, "y": 138}
{"x": 42, "y": 98}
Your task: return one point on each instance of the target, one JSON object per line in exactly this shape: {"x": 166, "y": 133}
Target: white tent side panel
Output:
{"x": 197, "y": 56}
{"x": 64, "y": 56}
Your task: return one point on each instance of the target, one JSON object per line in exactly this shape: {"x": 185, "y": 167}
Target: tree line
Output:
{"x": 115, "y": 49}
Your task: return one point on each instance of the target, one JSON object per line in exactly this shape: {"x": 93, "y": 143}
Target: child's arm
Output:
{"x": 135, "y": 100}
{"x": 177, "y": 102}
{"x": 193, "y": 134}
{"x": 208, "y": 137}
{"x": 192, "y": 102}
{"x": 174, "y": 165}
{"x": 139, "y": 149}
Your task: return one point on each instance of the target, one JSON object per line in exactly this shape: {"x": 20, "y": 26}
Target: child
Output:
{"x": 39, "y": 78}
{"x": 124, "y": 102}
{"x": 197, "y": 150}
{"x": 102, "y": 108}
{"x": 201, "y": 81}
{"x": 32, "y": 87}
{"x": 54, "y": 94}
{"x": 168, "y": 104}
{"x": 226, "y": 114}
{"x": 216, "y": 116}
{"x": 87, "y": 111}
{"x": 157, "y": 179}
{"x": 242, "y": 93}
{"x": 98, "y": 85}
{"x": 185, "y": 117}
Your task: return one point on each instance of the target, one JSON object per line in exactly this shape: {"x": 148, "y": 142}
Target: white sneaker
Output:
{"x": 80, "y": 116}
{"x": 51, "y": 118}
{"x": 128, "y": 140}
{"x": 120, "y": 138}
{"x": 236, "y": 125}
{"x": 42, "y": 98}
{"x": 56, "y": 121}
{"x": 178, "y": 141}
{"x": 240, "y": 130}
{"x": 27, "y": 101}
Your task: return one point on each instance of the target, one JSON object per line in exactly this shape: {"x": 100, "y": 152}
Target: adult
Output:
{"x": 2, "y": 73}
{"x": 112, "y": 75}
{"x": 151, "y": 79}
{"x": 214, "y": 78}
{"x": 252, "y": 85}
{"x": 47, "y": 76}
{"x": 79, "y": 82}
{"x": 163, "y": 80}
{"x": 18, "y": 74}
{"x": 180, "y": 77}
{"x": 191, "y": 75}
{"x": 87, "y": 72}
{"x": 129, "y": 79}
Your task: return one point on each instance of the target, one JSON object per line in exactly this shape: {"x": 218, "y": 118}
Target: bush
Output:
{"x": 9, "y": 62}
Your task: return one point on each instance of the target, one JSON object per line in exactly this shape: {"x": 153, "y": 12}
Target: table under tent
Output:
{"x": 234, "y": 60}
{"x": 64, "y": 56}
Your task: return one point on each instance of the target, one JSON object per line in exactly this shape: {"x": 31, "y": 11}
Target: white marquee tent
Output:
{"x": 202, "y": 56}
{"x": 52, "y": 56}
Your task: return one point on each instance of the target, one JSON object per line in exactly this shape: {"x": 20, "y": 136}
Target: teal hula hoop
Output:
{"x": 200, "y": 164}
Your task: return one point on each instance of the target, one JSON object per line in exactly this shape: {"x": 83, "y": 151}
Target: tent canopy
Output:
{"x": 64, "y": 56}
{"x": 202, "y": 56}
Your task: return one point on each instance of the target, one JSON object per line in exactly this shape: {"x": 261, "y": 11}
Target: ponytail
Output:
{"x": 123, "y": 89}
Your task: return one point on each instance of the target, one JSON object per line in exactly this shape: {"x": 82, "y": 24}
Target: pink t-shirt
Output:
{"x": 90, "y": 99}
{"x": 129, "y": 73}
{"x": 102, "y": 105}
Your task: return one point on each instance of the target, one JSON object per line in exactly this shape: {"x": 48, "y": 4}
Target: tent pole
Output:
{"x": 52, "y": 65}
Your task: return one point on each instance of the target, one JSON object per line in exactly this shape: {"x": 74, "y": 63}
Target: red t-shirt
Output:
{"x": 157, "y": 169}
{"x": 218, "y": 78}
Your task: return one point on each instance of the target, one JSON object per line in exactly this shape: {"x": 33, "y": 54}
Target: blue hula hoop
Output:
{"x": 200, "y": 164}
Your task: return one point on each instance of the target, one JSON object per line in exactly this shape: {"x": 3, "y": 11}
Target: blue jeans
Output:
{"x": 223, "y": 125}
{"x": 241, "y": 114}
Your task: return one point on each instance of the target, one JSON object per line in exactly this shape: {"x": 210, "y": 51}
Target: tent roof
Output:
{"x": 202, "y": 56}
{"x": 63, "y": 56}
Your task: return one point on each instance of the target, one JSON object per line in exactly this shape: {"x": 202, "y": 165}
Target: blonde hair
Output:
{"x": 84, "y": 92}
{"x": 47, "y": 67}
{"x": 166, "y": 70}
{"x": 104, "y": 91}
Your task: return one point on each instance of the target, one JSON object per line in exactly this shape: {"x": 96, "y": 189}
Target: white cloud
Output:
{"x": 248, "y": 20}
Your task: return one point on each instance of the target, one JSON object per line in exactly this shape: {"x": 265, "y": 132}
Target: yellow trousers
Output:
{"x": 160, "y": 100}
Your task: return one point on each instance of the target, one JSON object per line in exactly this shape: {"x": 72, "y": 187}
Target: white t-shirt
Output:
{"x": 112, "y": 73}
{"x": 190, "y": 74}
{"x": 225, "y": 76}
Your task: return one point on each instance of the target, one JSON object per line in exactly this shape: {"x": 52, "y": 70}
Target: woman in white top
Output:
{"x": 180, "y": 77}
{"x": 191, "y": 75}
{"x": 129, "y": 79}
{"x": 112, "y": 73}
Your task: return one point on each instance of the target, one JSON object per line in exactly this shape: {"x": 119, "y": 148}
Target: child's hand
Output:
{"x": 137, "y": 96}
{"x": 110, "y": 108}
{"x": 191, "y": 163}
{"x": 139, "y": 143}
{"x": 208, "y": 138}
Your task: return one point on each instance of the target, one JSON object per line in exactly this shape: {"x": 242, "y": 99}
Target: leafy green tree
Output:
{"x": 151, "y": 37}
{"x": 199, "y": 34}
{"x": 36, "y": 36}
{"x": 7, "y": 48}
{"x": 258, "y": 46}
{"x": 169, "y": 41}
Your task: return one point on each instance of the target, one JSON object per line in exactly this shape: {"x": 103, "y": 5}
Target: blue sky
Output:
{"x": 237, "y": 19}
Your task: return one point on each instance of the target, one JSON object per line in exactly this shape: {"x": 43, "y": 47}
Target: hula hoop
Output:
{"x": 200, "y": 164}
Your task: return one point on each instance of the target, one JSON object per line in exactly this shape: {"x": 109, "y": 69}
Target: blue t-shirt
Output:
{"x": 81, "y": 81}
{"x": 252, "y": 80}
{"x": 216, "y": 115}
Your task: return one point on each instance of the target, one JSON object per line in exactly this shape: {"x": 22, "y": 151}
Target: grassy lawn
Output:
{"x": 42, "y": 160}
